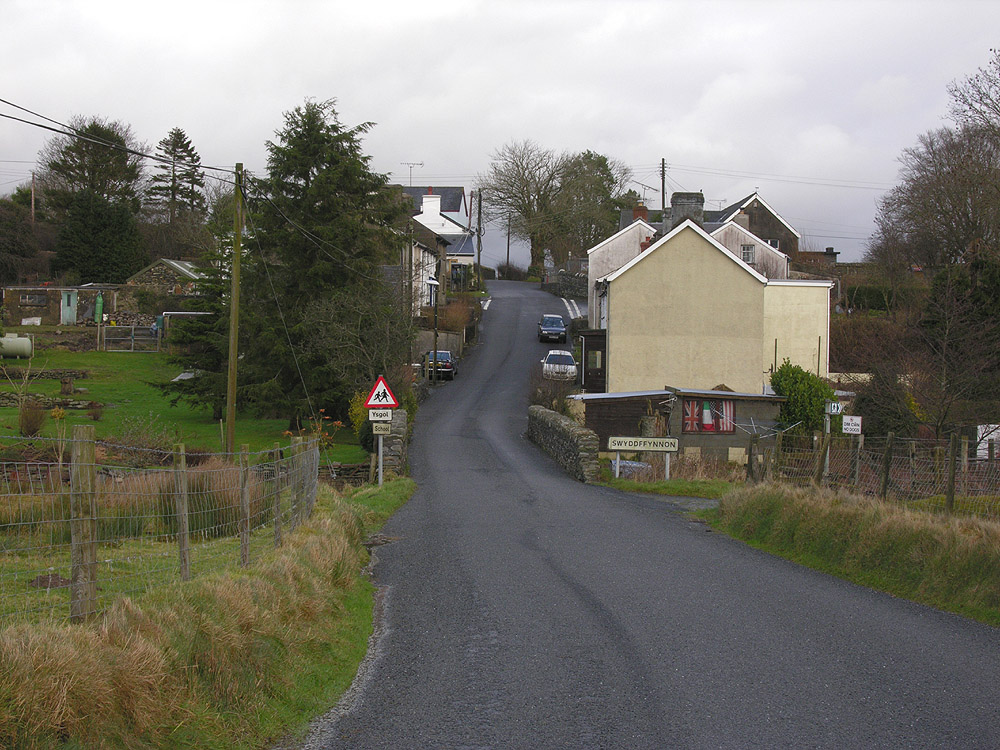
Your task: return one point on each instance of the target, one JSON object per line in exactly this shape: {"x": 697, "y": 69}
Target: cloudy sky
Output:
{"x": 811, "y": 103}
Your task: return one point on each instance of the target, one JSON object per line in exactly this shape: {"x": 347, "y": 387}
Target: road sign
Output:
{"x": 380, "y": 415}
{"x": 662, "y": 444}
{"x": 381, "y": 397}
{"x": 381, "y": 428}
{"x": 833, "y": 408}
{"x": 852, "y": 425}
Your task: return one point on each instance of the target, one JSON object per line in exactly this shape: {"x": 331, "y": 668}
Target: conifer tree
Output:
{"x": 178, "y": 185}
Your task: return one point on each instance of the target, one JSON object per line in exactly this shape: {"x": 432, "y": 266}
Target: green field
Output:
{"x": 134, "y": 408}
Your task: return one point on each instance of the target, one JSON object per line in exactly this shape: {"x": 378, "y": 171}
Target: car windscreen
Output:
{"x": 554, "y": 322}
{"x": 560, "y": 359}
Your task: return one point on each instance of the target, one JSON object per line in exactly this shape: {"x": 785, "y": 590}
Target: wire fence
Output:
{"x": 77, "y": 534}
{"x": 936, "y": 475}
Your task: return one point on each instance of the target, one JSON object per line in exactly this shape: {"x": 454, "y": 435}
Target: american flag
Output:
{"x": 723, "y": 412}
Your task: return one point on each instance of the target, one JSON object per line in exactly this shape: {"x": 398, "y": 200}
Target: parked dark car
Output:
{"x": 445, "y": 364}
{"x": 552, "y": 328}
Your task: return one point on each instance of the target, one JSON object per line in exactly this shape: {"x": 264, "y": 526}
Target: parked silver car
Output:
{"x": 559, "y": 365}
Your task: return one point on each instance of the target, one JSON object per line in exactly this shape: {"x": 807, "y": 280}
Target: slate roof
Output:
{"x": 452, "y": 198}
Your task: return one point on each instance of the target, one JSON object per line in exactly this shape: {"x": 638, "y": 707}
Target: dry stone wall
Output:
{"x": 573, "y": 446}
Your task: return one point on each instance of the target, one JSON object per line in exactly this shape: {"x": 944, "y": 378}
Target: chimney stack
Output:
{"x": 686, "y": 206}
{"x": 640, "y": 212}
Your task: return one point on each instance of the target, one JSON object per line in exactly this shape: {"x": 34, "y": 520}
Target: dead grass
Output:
{"x": 199, "y": 656}
{"x": 950, "y": 563}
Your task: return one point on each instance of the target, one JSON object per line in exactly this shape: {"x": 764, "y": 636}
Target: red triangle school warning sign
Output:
{"x": 381, "y": 397}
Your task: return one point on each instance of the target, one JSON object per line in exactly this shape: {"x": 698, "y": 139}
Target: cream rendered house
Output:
{"x": 610, "y": 255}
{"x": 752, "y": 250}
{"x": 688, "y": 313}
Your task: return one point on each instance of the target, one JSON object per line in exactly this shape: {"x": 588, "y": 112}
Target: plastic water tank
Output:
{"x": 12, "y": 345}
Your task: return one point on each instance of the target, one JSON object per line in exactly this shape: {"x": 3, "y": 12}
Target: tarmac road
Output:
{"x": 522, "y": 609}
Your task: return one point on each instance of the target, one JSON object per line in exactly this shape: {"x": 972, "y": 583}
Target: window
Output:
{"x": 747, "y": 252}
{"x": 704, "y": 415}
{"x": 776, "y": 244}
{"x": 34, "y": 300}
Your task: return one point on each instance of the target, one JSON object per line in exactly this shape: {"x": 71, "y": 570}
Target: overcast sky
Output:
{"x": 809, "y": 102}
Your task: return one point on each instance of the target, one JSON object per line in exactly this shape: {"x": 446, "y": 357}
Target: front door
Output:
{"x": 68, "y": 315}
{"x": 594, "y": 345}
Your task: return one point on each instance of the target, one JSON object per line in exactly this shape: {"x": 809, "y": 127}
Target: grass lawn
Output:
{"x": 122, "y": 382}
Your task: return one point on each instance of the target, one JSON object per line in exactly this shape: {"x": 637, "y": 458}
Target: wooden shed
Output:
{"x": 713, "y": 423}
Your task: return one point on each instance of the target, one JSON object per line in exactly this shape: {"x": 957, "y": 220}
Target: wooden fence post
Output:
{"x": 949, "y": 498}
{"x": 295, "y": 480}
{"x": 886, "y": 467}
{"x": 859, "y": 446}
{"x": 181, "y": 509}
{"x": 83, "y": 525}
{"x": 244, "y": 505}
{"x": 965, "y": 464}
{"x": 276, "y": 493}
{"x": 776, "y": 458}
{"x": 752, "y": 458}
{"x": 820, "y": 469}
{"x": 313, "y": 475}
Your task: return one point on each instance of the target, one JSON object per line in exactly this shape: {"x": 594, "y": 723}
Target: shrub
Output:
{"x": 30, "y": 418}
{"x": 142, "y": 441}
{"x": 455, "y": 316}
{"x": 806, "y": 395}
{"x": 550, "y": 393}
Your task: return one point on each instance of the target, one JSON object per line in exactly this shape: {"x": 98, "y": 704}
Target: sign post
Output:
{"x": 665, "y": 445}
{"x": 380, "y": 403}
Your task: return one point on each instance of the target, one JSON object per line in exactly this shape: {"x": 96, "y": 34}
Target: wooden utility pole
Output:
{"x": 507, "y": 269}
{"x": 479, "y": 239}
{"x": 234, "y": 313}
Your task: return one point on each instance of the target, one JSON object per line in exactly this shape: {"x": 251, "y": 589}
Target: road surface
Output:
{"x": 523, "y": 609}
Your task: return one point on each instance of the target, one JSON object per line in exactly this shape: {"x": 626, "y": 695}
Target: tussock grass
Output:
{"x": 948, "y": 563}
{"x": 230, "y": 659}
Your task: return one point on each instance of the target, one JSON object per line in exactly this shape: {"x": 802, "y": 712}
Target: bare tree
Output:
{"x": 361, "y": 333}
{"x": 521, "y": 187}
{"x": 976, "y": 101}
{"x": 948, "y": 198}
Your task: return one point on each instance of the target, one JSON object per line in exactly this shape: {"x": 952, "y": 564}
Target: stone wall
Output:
{"x": 572, "y": 446}
{"x": 394, "y": 446}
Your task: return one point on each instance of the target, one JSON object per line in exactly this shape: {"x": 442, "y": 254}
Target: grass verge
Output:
{"x": 951, "y": 564}
{"x": 707, "y": 488}
{"x": 233, "y": 659}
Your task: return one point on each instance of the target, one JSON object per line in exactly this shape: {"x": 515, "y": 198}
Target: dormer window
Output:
{"x": 747, "y": 254}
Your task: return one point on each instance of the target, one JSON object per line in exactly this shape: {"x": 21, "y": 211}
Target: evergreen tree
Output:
{"x": 99, "y": 241}
{"x": 101, "y": 157}
{"x": 17, "y": 240}
{"x": 178, "y": 186}
{"x": 201, "y": 343}
{"x": 325, "y": 223}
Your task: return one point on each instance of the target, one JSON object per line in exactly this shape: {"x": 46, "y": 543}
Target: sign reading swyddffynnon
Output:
{"x": 663, "y": 444}
{"x": 381, "y": 397}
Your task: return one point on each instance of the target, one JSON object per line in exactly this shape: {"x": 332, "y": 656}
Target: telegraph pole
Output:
{"x": 234, "y": 313}
{"x": 479, "y": 239}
